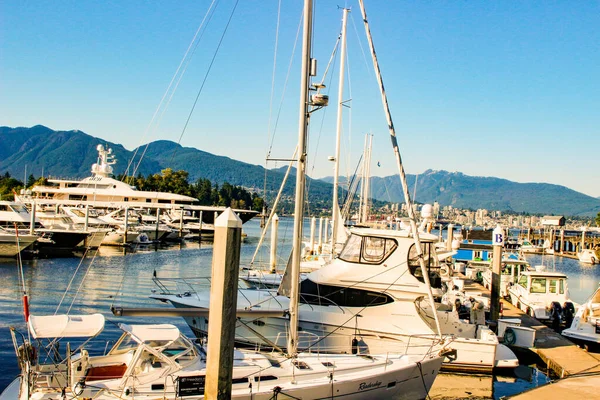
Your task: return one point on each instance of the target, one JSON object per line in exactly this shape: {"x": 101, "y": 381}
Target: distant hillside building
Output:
{"x": 553, "y": 220}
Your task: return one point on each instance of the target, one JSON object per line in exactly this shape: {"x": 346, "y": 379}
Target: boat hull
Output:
{"x": 343, "y": 333}
{"x": 9, "y": 247}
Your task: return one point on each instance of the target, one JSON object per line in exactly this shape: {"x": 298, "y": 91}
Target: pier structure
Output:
{"x": 564, "y": 242}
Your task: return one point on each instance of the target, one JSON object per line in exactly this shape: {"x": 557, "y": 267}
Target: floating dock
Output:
{"x": 560, "y": 354}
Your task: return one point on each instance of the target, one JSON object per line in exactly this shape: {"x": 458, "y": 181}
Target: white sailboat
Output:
{"x": 158, "y": 362}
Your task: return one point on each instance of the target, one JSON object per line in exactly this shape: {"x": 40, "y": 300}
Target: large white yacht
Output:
{"x": 369, "y": 299}
{"x": 102, "y": 191}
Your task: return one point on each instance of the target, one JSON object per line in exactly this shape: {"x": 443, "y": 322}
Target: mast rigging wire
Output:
{"x": 204, "y": 80}
{"x": 186, "y": 60}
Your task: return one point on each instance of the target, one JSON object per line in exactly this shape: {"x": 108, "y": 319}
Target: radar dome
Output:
{"x": 427, "y": 211}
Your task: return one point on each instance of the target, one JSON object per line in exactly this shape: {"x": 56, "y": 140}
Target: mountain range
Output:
{"x": 70, "y": 154}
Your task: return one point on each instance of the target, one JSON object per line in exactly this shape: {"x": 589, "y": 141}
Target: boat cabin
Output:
{"x": 368, "y": 253}
{"x": 536, "y": 292}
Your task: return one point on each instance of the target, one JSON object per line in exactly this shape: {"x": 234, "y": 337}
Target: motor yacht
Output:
{"x": 543, "y": 295}
{"x": 588, "y": 256}
{"x": 585, "y": 328}
{"x": 367, "y": 299}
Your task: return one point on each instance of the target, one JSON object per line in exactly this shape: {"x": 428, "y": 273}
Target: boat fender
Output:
{"x": 509, "y": 336}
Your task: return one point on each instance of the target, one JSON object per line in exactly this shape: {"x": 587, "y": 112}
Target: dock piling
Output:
{"x": 221, "y": 330}
{"x": 498, "y": 243}
{"x": 273, "y": 258}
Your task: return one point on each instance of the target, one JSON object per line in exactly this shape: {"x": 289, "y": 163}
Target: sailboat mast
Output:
{"x": 363, "y": 173}
{"x": 300, "y": 180}
{"x": 336, "y": 169}
{"x": 411, "y": 212}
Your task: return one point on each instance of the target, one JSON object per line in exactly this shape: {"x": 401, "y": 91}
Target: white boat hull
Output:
{"x": 9, "y": 247}
{"x": 328, "y": 330}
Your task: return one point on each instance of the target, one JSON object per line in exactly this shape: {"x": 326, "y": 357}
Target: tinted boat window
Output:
{"x": 312, "y": 293}
{"x": 538, "y": 285}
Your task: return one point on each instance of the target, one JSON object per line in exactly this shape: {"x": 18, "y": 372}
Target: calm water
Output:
{"x": 115, "y": 278}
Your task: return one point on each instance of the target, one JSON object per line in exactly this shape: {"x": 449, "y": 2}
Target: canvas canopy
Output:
{"x": 146, "y": 333}
{"x": 59, "y": 326}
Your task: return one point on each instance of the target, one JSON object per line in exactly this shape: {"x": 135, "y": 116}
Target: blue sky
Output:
{"x": 508, "y": 89}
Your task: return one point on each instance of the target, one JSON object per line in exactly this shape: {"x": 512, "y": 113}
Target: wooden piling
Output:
{"x": 32, "y": 222}
{"x": 274, "y": 231}
{"x": 313, "y": 224}
{"x": 498, "y": 243}
{"x": 157, "y": 224}
{"x": 450, "y": 237}
{"x": 181, "y": 223}
{"x": 126, "y": 225}
{"x": 222, "y": 314}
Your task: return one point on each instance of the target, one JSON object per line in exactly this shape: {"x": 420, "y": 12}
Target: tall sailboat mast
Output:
{"x": 292, "y": 344}
{"x": 335, "y": 214}
{"x": 409, "y": 206}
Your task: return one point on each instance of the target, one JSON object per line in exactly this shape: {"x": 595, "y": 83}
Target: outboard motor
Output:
{"x": 462, "y": 311}
{"x": 568, "y": 313}
{"x": 555, "y": 315}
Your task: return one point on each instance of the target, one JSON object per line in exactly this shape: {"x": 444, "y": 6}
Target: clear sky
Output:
{"x": 509, "y": 89}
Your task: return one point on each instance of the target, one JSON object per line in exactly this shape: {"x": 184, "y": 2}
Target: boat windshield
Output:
{"x": 538, "y": 285}
{"x": 596, "y": 297}
{"x": 18, "y": 208}
{"x": 78, "y": 212}
{"x": 367, "y": 249}
{"x": 124, "y": 344}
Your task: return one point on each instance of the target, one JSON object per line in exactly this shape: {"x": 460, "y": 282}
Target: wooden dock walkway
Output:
{"x": 557, "y": 352}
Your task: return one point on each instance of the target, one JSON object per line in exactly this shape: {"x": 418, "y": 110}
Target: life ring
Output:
{"x": 510, "y": 337}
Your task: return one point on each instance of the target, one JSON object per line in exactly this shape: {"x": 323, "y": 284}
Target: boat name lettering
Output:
{"x": 369, "y": 385}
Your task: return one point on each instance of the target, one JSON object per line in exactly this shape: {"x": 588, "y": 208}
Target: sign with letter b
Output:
{"x": 498, "y": 236}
